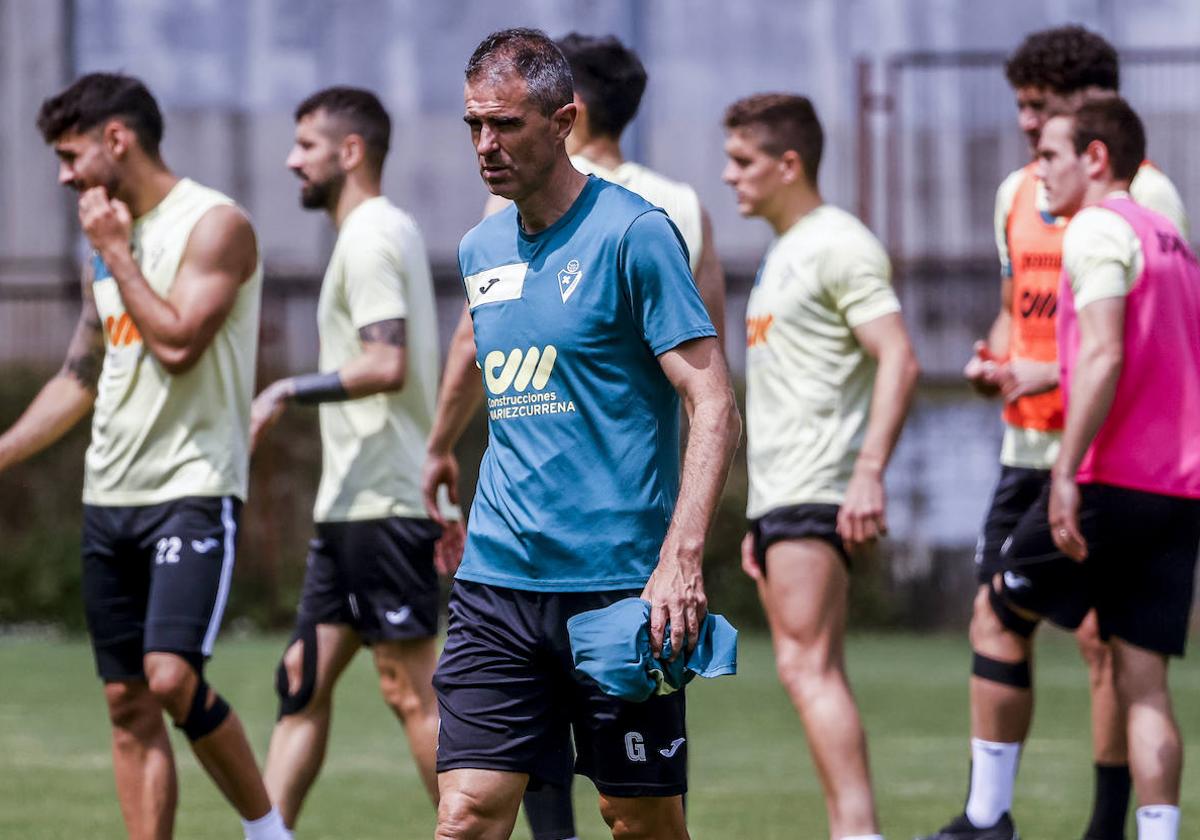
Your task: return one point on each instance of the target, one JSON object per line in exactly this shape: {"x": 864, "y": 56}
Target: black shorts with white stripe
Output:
{"x": 156, "y": 578}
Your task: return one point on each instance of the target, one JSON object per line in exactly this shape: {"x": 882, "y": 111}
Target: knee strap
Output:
{"x": 289, "y": 703}
{"x": 202, "y": 718}
{"x": 1015, "y": 674}
{"x": 1018, "y": 624}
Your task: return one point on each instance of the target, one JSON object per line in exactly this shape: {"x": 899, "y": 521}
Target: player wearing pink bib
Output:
{"x": 1158, "y": 392}
{"x": 1119, "y": 527}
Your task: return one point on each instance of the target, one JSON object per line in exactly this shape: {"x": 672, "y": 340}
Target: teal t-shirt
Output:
{"x": 580, "y": 476}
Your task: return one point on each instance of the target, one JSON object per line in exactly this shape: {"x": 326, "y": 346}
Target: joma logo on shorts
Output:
{"x": 518, "y": 369}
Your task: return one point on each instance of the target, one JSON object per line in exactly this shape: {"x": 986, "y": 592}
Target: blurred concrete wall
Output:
{"x": 229, "y": 72}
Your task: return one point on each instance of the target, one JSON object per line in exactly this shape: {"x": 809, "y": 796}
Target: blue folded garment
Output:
{"x": 612, "y": 646}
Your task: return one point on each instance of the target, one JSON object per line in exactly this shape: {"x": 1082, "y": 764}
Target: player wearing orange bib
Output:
{"x": 1052, "y": 70}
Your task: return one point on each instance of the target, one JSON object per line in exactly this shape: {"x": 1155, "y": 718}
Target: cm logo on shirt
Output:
{"x": 518, "y": 369}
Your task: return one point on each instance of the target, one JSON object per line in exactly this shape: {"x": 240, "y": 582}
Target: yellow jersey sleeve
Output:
{"x": 1006, "y": 193}
{"x": 859, "y": 280}
{"x": 1101, "y": 254}
{"x": 1153, "y": 189}
{"x": 373, "y": 277}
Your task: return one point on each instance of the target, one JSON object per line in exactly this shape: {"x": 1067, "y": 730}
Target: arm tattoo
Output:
{"x": 384, "y": 332}
{"x": 85, "y": 358}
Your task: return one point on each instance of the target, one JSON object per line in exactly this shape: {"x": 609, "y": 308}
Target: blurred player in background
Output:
{"x": 588, "y": 324}
{"x": 1118, "y": 527}
{"x": 830, "y": 373}
{"x": 163, "y": 356}
{"x": 1051, "y": 70}
{"x": 370, "y": 577}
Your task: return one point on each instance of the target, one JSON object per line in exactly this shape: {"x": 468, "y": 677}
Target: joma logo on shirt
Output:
{"x": 757, "y": 328}
{"x": 519, "y": 369}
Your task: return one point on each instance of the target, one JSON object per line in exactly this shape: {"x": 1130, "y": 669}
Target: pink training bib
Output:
{"x": 1150, "y": 439}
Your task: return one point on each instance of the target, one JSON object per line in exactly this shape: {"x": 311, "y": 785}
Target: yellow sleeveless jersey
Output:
{"x": 157, "y": 436}
{"x": 680, "y": 201}
{"x": 372, "y": 448}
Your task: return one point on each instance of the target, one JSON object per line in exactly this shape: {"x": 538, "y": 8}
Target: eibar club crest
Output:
{"x": 568, "y": 279}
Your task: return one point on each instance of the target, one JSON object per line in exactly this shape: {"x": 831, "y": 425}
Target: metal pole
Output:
{"x": 865, "y": 146}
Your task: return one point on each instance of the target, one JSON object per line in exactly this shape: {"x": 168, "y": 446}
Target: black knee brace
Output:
{"x": 289, "y": 703}
{"x": 202, "y": 718}
{"x": 1018, "y": 624}
{"x": 1015, "y": 674}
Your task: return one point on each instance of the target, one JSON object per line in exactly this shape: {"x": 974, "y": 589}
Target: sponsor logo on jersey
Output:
{"x": 1041, "y": 261}
{"x": 1038, "y": 304}
{"x": 121, "y": 331}
{"x": 517, "y": 383}
{"x": 568, "y": 279}
{"x": 205, "y": 545}
{"x": 670, "y": 751}
{"x": 757, "y": 328}
{"x": 506, "y": 282}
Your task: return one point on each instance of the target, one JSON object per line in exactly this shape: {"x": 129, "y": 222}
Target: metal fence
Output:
{"x": 937, "y": 135}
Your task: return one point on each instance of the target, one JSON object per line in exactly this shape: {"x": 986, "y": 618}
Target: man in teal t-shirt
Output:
{"x": 588, "y": 328}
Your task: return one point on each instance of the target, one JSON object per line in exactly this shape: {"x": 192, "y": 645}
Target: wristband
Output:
{"x": 313, "y": 388}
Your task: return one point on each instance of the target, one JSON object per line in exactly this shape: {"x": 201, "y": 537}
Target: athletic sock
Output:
{"x": 993, "y": 773}
{"x": 1158, "y": 822}
{"x": 1111, "y": 803}
{"x": 267, "y": 827}
{"x": 865, "y": 837}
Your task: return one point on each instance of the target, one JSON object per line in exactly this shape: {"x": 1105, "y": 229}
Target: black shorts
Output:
{"x": 797, "y": 522}
{"x": 1139, "y": 574}
{"x": 1017, "y": 490}
{"x": 376, "y": 575}
{"x": 156, "y": 578}
{"x": 510, "y": 698}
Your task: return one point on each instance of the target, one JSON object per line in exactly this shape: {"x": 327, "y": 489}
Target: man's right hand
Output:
{"x": 984, "y": 371}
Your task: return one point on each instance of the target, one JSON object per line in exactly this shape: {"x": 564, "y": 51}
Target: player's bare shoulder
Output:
{"x": 223, "y": 238}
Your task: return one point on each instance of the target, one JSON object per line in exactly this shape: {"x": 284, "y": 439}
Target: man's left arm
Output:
{"x": 1093, "y": 386}
{"x": 862, "y": 516}
{"x": 675, "y": 590}
{"x": 221, "y": 254}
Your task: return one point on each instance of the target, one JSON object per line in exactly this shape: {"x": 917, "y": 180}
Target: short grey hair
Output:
{"x": 533, "y": 56}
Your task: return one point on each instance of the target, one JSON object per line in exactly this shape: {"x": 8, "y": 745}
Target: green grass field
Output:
{"x": 751, "y": 776}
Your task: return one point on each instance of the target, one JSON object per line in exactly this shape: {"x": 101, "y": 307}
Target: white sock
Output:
{"x": 1158, "y": 822}
{"x": 865, "y": 837}
{"x": 267, "y": 827}
{"x": 993, "y": 773}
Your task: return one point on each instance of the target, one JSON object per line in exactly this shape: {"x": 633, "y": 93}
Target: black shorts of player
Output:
{"x": 1017, "y": 490}
{"x": 797, "y": 522}
{"x": 510, "y": 699}
{"x": 156, "y": 578}
{"x": 1139, "y": 574}
{"x": 375, "y": 575}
